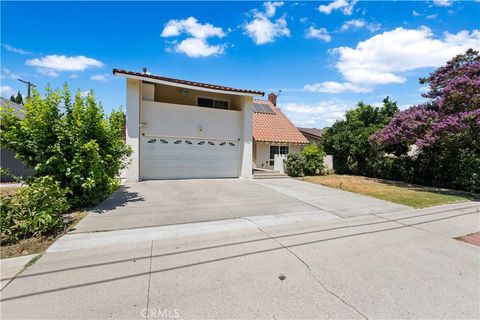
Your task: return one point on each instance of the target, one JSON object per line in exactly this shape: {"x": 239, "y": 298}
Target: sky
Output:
{"x": 325, "y": 57}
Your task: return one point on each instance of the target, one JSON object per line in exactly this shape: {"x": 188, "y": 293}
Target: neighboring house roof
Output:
{"x": 313, "y": 132}
{"x": 9, "y": 104}
{"x": 274, "y": 126}
{"x": 184, "y": 82}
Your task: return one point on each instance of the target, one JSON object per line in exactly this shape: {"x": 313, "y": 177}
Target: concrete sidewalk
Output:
{"x": 361, "y": 267}
{"x": 11, "y": 267}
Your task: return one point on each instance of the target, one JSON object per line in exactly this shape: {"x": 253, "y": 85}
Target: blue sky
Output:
{"x": 324, "y": 56}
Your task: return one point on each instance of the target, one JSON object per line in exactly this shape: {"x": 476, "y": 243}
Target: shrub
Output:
{"x": 295, "y": 164}
{"x": 34, "y": 210}
{"x": 73, "y": 142}
{"x": 313, "y": 155}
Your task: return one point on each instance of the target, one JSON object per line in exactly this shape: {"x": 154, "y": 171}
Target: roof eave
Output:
{"x": 186, "y": 86}
{"x": 279, "y": 141}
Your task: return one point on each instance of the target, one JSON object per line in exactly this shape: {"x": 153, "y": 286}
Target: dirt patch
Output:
{"x": 472, "y": 238}
{"x": 37, "y": 245}
{"x": 8, "y": 191}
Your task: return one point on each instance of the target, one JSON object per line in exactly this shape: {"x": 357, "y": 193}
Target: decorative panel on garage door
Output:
{"x": 183, "y": 158}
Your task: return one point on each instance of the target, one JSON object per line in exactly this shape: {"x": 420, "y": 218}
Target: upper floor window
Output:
{"x": 212, "y": 103}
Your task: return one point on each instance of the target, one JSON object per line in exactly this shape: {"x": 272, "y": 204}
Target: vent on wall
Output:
{"x": 262, "y": 108}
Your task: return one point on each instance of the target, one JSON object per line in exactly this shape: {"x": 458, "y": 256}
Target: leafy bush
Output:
{"x": 73, "y": 142}
{"x": 313, "y": 155}
{"x": 34, "y": 210}
{"x": 295, "y": 164}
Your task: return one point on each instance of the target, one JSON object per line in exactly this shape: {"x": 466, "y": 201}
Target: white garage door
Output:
{"x": 180, "y": 158}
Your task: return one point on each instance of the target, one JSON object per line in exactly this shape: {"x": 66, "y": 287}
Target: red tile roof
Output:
{"x": 186, "y": 82}
{"x": 276, "y": 127}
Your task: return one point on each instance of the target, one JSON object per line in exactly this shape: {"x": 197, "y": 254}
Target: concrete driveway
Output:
{"x": 171, "y": 202}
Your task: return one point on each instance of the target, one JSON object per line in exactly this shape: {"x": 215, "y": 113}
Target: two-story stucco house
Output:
{"x": 183, "y": 129}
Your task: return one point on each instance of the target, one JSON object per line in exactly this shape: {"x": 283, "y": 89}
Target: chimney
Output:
{"x": 272, "y": 97}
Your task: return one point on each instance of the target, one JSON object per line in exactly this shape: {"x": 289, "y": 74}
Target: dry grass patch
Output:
{"x": 398, "y": 192}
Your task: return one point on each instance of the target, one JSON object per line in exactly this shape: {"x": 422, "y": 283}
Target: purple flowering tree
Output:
{"x": 454, "y": 106}
{"x": 446, "y": 128}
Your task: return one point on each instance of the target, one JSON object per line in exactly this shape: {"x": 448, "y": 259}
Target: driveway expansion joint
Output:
{"x": 308, "y": 269}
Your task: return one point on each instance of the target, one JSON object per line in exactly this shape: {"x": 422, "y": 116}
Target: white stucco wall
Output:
{"x": 328, "y": 162}
{"x": 262, "y": 153}
{"x": 247, "y": 149}
{"x": 148, "y": 91}
{"x": 132, "y": 131}
{"x": 166, "y": 119}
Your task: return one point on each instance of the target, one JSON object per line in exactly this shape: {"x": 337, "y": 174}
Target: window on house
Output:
{"x": 212, "y": 103}
{"x": 277, "y": 150}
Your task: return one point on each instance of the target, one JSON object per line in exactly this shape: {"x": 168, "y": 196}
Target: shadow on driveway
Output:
{"x": 119, "y": 199}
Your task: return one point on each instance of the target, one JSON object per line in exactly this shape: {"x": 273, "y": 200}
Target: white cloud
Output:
{"x": 383, "y": 58}
{"x": 345, "y": 6}
{"x": 52, "y": 64}
{"x": 15, "y": 50}
{"x": 6, "y": 91}
{"x": 48, "y": 72}
{"x": 415, "y": 13}
{"x": 192, "y": 27}
{"x": 73, "y": 76}
{"x": 442, "y": 3}
{"x": 423, "y": 89}
{"x": 271, "y": 7}
{"x": 355, "y": 23}
{"x": 432, "y": 16}
{"x": 6, "y": 73}
{"x": 103, "y": 77}
{"x": 335, "y": 87}
{"x": 359, "y": 23}
{"x": 321, "y": 34}
{"x": 264, "y": 30}
{"x": 315, "y": 115}
{"x": 195, "y": 48}
{"x": 196, "y": 44}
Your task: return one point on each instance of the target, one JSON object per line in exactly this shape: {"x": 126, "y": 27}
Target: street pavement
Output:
{"x": 392, "y": 265}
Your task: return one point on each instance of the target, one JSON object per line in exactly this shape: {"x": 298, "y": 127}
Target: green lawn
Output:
{"x": 398, "y": 192}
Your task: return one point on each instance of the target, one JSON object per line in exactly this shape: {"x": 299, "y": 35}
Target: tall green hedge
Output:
{"x": 74, "y": 142}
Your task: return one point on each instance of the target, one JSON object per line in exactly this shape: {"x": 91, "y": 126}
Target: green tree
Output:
{"x": 19, "y": 98}
{"x": 12, "y": 98}
{"x": 72, "y": 141}
{"x": 348, "y": 140}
